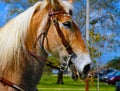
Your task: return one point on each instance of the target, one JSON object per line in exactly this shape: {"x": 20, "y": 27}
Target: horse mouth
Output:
{"x": 82, "y": 76}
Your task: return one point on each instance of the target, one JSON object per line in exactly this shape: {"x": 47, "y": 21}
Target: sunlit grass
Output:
{"x": 49, "y": 83}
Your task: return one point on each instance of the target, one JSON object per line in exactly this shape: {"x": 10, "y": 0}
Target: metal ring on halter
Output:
{"x": 0, "y": 78}
{"x": 64, "y": 65}
{"x": 54, "y": 20}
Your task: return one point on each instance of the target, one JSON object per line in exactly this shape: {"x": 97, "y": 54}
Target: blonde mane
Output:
{"x": 12, "y": 37}
{"x": 13, "y": 34}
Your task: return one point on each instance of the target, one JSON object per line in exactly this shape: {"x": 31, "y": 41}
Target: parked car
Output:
{"x": 100, "y": 73}
{"x": 114, "y": 78}
{"x": 104, "y": 78}
{"x": 104, "y": 72}
{"x": 108, "y": 71}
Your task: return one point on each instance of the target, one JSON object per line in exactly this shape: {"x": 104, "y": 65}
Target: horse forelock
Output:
{"x": 12, "y": 37}
{"x": 67, "y": 6}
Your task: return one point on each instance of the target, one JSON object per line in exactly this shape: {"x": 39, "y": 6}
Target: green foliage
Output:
{"x": 52, "y": 63}
{"x": 53, "y": 59}
{"x": 94, "y": 41}
{"x": 114, "y": 63}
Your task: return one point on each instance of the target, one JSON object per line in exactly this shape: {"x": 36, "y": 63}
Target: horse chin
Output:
{"x": 84, "y": 73}
{"x": 75, "y": 78}
{"x": 76, "y": 74}
{"x": 82, "y": 76}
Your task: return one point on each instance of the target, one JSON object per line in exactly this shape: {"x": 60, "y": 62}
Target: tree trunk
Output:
{"x": 60, "y": 77}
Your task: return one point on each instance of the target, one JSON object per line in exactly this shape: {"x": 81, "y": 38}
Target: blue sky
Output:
{"x": 107, "y": 55}
{"x": 3, "y": 13}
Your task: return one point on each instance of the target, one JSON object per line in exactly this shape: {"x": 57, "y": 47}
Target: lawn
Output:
{"x": 48, "y": 83}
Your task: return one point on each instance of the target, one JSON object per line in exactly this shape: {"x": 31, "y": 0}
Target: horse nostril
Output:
{"x": 86, "y": 69}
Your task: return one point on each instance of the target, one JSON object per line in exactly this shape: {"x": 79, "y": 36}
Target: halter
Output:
{"x": 64, "y": 65}
{"x": 6, "y": 82}
{"x": 68, "y": 48}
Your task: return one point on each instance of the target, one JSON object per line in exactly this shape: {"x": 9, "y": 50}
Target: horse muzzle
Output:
{"x": 83, "y": 65}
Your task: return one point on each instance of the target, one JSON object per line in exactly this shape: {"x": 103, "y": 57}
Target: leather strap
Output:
{"x": 60, "y": 33}
{"x": 6, "y": 82}
{"x": 36, "y": 56}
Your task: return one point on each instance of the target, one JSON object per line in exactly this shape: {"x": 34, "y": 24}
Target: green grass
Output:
{"x": 48, "y": 83}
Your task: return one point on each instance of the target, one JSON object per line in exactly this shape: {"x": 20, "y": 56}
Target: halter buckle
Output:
{"x": 65, "y": 64}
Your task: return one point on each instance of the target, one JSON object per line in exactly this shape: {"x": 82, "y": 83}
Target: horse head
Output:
{"x": 63, "y": 38}
{"x": 45, "y": 28}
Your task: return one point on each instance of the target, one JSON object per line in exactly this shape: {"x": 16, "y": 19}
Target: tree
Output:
{"x": 114, "y": 63}
{"x": 104, "y": 29}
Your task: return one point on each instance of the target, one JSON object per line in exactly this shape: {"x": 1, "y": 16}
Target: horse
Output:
{"x": 73, "y": 73}
{"x": 45, "y": 28}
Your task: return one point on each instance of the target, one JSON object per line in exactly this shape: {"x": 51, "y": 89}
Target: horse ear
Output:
{"x": 70, "y": 1}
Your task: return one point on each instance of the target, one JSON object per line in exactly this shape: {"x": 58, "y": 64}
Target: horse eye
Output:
{"x": 67, "y": 24}
{"x": 70, "y": 12}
